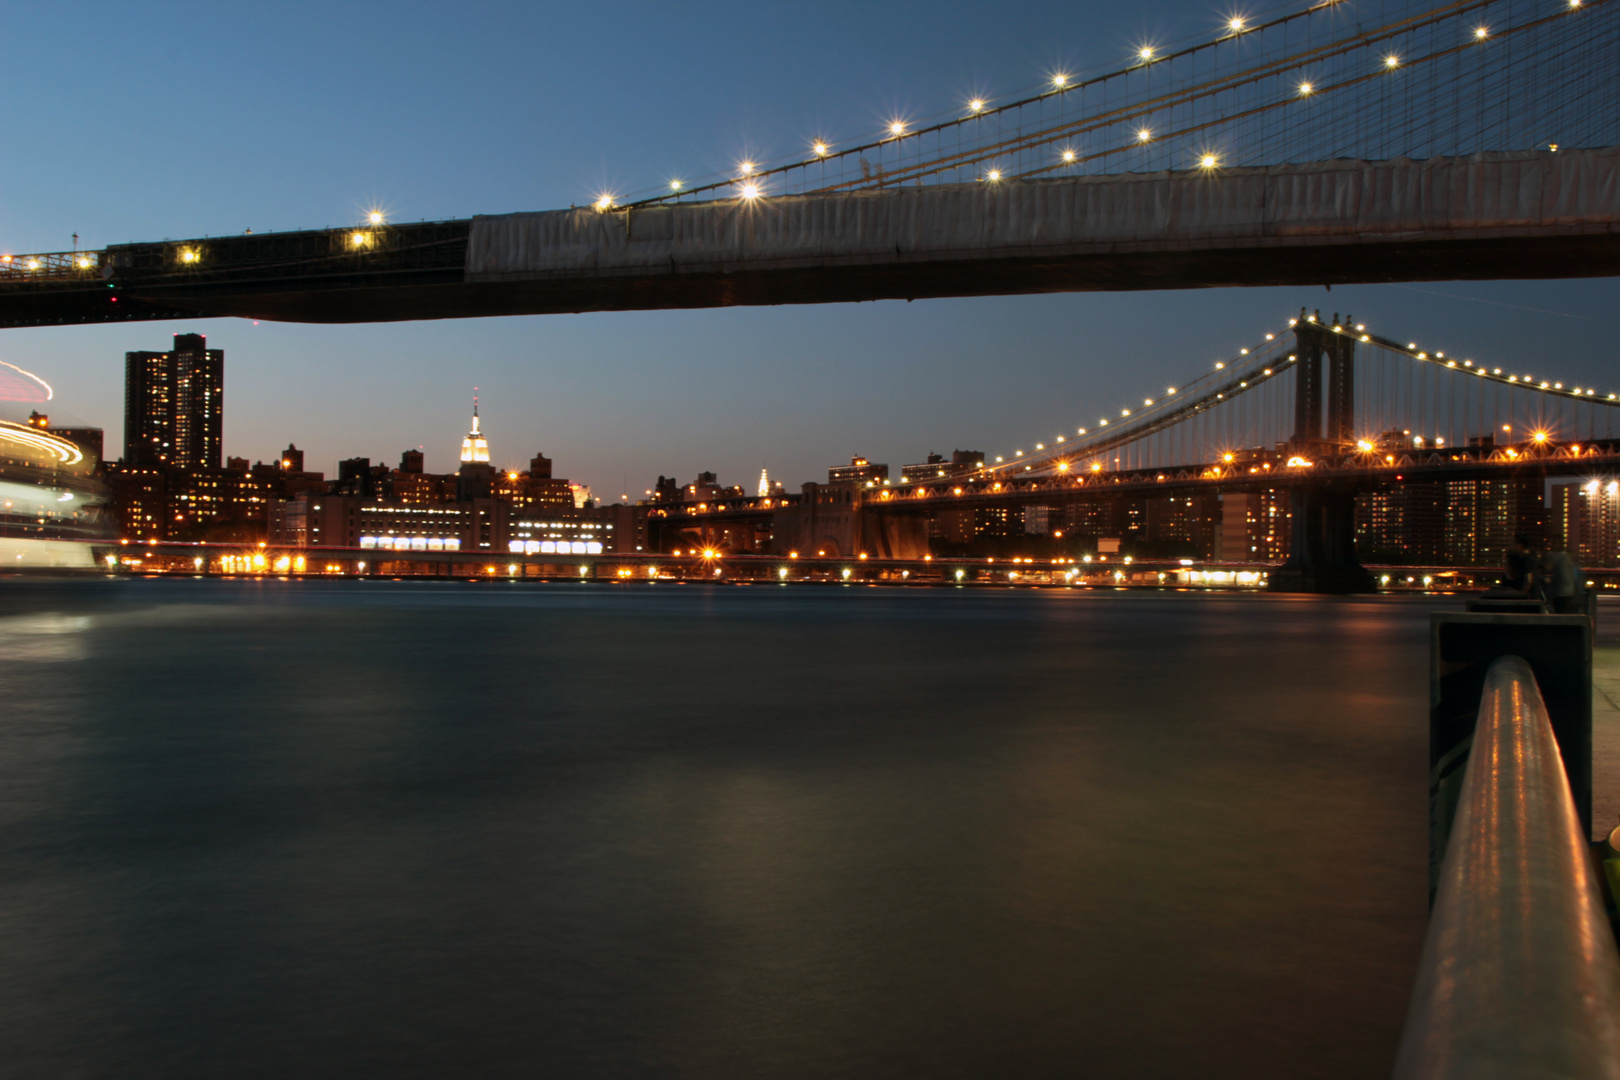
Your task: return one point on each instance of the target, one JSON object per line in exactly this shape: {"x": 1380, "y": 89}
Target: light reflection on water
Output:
{"x": 435, "y": 829}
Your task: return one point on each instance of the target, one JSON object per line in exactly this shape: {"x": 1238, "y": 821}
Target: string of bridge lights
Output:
{"x": 750, "y": 181}
{"x": 1150, "y": 406}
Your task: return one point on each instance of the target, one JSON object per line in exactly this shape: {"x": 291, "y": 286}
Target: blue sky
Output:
{"x": 139, "y": 121}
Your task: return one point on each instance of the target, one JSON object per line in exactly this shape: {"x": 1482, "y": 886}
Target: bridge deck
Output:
{"x": 1523, "y": 215}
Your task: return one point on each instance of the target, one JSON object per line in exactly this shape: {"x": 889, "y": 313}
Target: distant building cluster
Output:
{"x": 172, "y": 484}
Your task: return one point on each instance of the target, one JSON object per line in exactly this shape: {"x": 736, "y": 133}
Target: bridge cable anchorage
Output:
{"x": 1175, "y": 105}
{"x": 1389, "y": 406}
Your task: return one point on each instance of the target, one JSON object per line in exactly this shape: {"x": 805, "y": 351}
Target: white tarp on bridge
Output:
{"x": 1568, "y": 192}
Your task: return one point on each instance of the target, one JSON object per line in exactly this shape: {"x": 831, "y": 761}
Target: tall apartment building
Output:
{"x": 174, "y": 405}
{"x": 1586, "y": 516}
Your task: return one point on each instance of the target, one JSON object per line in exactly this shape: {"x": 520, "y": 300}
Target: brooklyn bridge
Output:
{"x": 1472, "y": 140}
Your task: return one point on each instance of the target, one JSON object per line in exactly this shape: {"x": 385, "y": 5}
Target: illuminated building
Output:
{"x": 1254, "y": 526}
{"x": 174, "y": 405}
{"x": 938, "y": 467}
{"x": 859, "y": 471}
{"x": 1404, "y": 523}
{"x": 1586, "y": 517}
{"x": 1482, "y": 517}
{"x": 475, "y": 447}
{"x": 554, "y": 534}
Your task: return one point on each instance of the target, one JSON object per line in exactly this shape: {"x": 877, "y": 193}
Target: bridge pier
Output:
{"x": 1322, "y": 545}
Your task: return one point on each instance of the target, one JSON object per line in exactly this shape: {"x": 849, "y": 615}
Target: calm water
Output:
{"x": 395, "y": 829}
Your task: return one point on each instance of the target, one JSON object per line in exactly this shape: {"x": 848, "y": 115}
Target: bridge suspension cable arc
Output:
{"x": 979, "y": 109}
{"x": 1142, "y": 111}
{"x": 1256, "y": 369}
{"x": 1448, "y": 116}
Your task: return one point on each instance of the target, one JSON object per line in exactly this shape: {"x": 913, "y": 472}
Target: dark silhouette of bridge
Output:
{"x": 1475, "y": 139}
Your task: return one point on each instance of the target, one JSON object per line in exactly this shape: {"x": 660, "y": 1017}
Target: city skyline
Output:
{"x": 295, "y": 134}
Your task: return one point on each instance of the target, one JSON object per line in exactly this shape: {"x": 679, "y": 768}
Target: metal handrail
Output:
{"x": 1519, "y": 975}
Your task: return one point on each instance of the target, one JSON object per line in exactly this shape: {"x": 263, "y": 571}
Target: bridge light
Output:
{"x": 1364, "y": 337}
{"x": 1145, "y": 53}
{"x": 1068, "y": 156}
{"x": 1080, "y": 431}
{"x": 1096, "y": 466}
{"x": 675, "y": 185}
{"x": 976, "y": 106}
{"x": 375, "y": 217}
{"x": 1235, "y": 24}
{"x": 1481, "y": 33}
{"x": 1060, "y": 438}
{"x": 749, "y": 191}
{"x": 1063, "y": 466}
{"x": 603, "y": 203}
{"x": 1147, "y": 401}
{"x": 1392, "y": 61}
{"x": 1219, "y": 365}
{"x": 1208, "y": 161}
{"x": 819, "y": 148}
{"x": 1539, "y": 436}
{"x": 897, "y": 128}
{"x": 1060, "y": 80}
{"x": 1243, "y": 352}
{"x": 1169, "y": 389}
{"x": 1305, "y": 89}
{"x": 1363, "y": 445}
{"x": 84, "y": 263}
{"x": 1124, "y": 412}
{"x": 1103, "y": 422}
{"x": 186, "y": 256}
{"x": 1143, "y": 134}
{"x": 994, "y": 175}
{"x": 1040, "y": 446}
{"x": 358, "y": 239}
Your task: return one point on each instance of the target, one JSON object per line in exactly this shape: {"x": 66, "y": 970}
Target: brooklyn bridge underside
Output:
{"x": 1540, "y": 214}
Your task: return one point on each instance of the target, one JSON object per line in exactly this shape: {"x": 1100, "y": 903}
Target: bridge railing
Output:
{"x": 1519, "y": 974}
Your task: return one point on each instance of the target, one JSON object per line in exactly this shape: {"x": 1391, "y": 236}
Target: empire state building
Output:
{"x": 475, "y": 447}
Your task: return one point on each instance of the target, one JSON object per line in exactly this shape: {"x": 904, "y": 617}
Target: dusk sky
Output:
{"x": 144, "y": 121}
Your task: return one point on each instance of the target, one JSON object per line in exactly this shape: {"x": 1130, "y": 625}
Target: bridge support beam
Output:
{"x": 1322, "y": 548}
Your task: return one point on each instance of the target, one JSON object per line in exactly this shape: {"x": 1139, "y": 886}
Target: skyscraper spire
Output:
{"x": 764, "y": 483}
{"x": 475, "y": 447}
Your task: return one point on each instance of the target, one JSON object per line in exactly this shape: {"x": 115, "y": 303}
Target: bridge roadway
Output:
{"x": 1362, "y": 471}
{"x": 1538, "y": 214}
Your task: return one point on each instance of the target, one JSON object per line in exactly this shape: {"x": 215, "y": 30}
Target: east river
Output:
{"x": 340, "y": 829}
